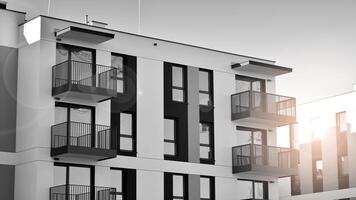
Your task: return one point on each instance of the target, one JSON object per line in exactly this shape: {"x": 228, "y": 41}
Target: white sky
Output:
{"x": 316, "y": 38}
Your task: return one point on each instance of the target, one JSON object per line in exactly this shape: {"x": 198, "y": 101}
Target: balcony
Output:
{"x": 82, "y": 192}
{"x": 268, "y": 109}
{"x": 80, "y": 80}
{"x": 264, "y": 160}
{"x": 83, "y": 140}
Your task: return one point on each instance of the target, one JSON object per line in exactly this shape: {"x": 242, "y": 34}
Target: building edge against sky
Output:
{"x": 106, "y": 113}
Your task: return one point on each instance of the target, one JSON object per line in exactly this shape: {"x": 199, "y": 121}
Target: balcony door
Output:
{"x": 82, "y": 61}
{"x": 254, "y": 87}
{"x": 73, "y": 181}
{"x": 79, "y": 121}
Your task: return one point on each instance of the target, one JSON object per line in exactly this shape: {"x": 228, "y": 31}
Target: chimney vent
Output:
{"x": 86, "y": 19}
{"x": 3, "y": 5}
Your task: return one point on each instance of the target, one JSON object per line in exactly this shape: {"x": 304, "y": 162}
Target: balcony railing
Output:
{"x": 247, "y": 155}
{"x": 83, "y": 78}
{"x": 82, "y": 136}
{"x": 269, "y": 106}
{"x": 82, "y": 192}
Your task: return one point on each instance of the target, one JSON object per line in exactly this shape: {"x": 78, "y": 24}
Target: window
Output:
{"x": 341, "y": 123}
{"x": 253, "y": 189}
{"x": 344, "y": 165}
{"x": 206, "y": 142}
{"x": 126, "y": 132}
{"x": 124, "y": 180}
{"x": 205, "y": 88}
{"x": 118, "y": 63}
{"x": 244, "y": 83}
{"x": 319, "y": 169}
{"x": 175, "y": 186}
{"x": 178, "y": 84}
{"x": 207, "y": 188}
{"x": 170, "y": 146}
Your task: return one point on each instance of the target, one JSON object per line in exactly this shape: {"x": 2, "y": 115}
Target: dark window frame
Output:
{"x": 124, "y": 69}
{"x": 251, "y": 80}
{"x": 128, "y": 183}
{"x": 168, "y": 186}
{"x": 210, "y": 87}
{"x": 265, "y": 187}
{"x": 184, "y": 83}
{"x": 132, "y": 136}
{"x": 211, "y": 187}
{"x": 68, "y": 165}
{"x": 175, "y": 141}
{"x": 211, "y": 159}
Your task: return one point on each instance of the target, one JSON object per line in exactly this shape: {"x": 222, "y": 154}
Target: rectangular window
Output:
{"x": 319, "y": 169}
{"x": 178, "y": 84}
{"x": 207, "y": 188}
{"x": 126, "y": 132}
{"x": 124, "y": 180}
{"x": 118, "y": 63}
{"x": 344, "y": 165}
{"x": 205, "y": 88}
{"x": 341, "y": 123}
{"x": 170, "y": 146}
{"x": 175, "y": 186}
{"x": 253, "y": 189}
{"x": 206, "y": 142}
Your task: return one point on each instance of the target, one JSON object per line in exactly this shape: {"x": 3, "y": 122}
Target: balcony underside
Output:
{"x": 85, "y": 35}
{"x": 263, "y": 118}
{"x": 263, "y": 170}
{"x": 83, "y": 153}
{"x": 83, "y": 92}
{"x": 261, "y": 68}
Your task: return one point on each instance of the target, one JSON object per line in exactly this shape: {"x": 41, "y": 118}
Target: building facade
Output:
{"x": 92, "y": 113}
{"x": 325, "y": 134}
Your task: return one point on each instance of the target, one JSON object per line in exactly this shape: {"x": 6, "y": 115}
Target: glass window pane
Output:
{"x": 59, "y": 175}
{"x": 81, "y": 55}
{"x": 126, "y": 143}
{"x": 204, "y": 81}
{"x": 116, "y": 179}
{"x": 178, "y": 95}
{"x": 204, "y": 130}
{"x": 60, "y": 115}
{"x": 342, "y": 122}
{"x": 118, "y": 63}
{"x": 120, "y": 86}
{"x": 204, "y": 152}
{"x": 169, "y": 129}
{"x": 178, "y": 186}
{"x": 169, "y": 148}
{"x": 82, "y": 115}
{"x": 125, "y": 124}
{"x": 319, "y": 169}
{"x": 246, "y": 189}
{"x": 62, "y": 54}
{"x": 258, "y": 190}
{"x": 177, "y": 76}
{"x": 256, "y": 86}
{"x": 242, "y": 86}
{"x": 205, "y": 188}
{"x": 204, "y": 99}
{"x": 79, "y": 175}
{"x": 344, "y": 165}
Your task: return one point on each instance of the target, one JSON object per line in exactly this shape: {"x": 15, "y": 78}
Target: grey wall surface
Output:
{"x": 193, "y": 186}
{"x": 7, "y": 181}
{"x": 193, "y": 115}
{"x": 8, "y": 93}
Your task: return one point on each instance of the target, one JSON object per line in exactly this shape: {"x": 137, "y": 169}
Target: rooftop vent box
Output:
{"x": 98, "y": 24}
{"x": 3, "y": 4}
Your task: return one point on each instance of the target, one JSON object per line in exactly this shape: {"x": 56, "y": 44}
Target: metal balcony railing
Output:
{"x": 82, "y": 135}
{"x": 82, "y": 192}
{"x": 262, "y": 155}
{"x": 262, "y": 102}
{"x": 84, "y": 74}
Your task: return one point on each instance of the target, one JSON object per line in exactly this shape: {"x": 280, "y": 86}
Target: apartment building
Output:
{"x": 92, "y": 113}
{"x": 325, "y": 134}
